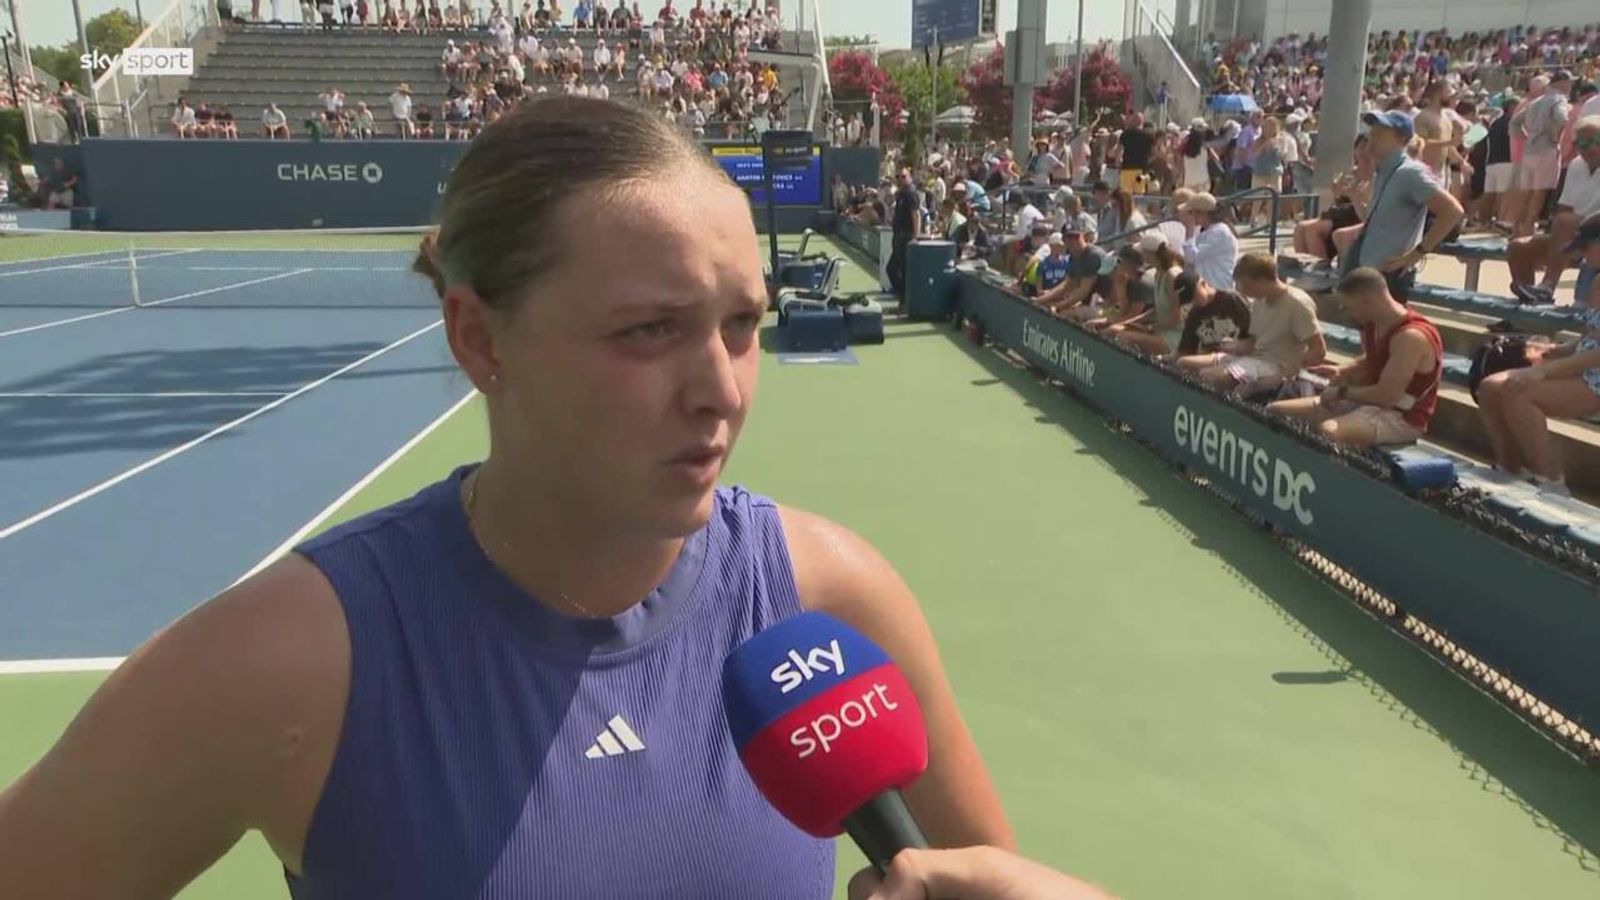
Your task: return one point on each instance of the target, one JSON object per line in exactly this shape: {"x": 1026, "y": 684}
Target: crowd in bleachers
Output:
{"x": 693, "y": 66}
{"x": 1288, "y": 74}
{"x": 1171, "y": 281}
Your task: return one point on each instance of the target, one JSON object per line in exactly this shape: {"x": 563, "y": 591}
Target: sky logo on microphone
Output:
{"x": 798, "y": 670}
{"x": 823, "y": 719}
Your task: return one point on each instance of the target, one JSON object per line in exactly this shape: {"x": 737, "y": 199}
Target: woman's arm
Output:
{"x": 225, "y": 721}
{"x": 1569, "y": 365}
{"x": 840, "y": 573}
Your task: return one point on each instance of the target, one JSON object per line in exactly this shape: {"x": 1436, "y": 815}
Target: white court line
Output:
{"x": 129, "y": 395}
{"x": 280, "y": 268}
{"x": 331, "y": 508}
{"x": 107, "y": 663}
{"x": 130, "y": 307}
{"x": 41, "y": 666}
{"x": 86, "y": 265}
{"x": 224, "y": 428}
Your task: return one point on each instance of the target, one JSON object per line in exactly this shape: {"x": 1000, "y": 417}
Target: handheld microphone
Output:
{"x": 829, "y": 730}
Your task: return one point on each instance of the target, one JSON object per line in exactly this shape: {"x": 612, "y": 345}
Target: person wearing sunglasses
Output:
{"x": 1580, "y": 199}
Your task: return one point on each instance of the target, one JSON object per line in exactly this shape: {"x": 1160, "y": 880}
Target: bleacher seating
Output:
{"x": 254, "y": 65}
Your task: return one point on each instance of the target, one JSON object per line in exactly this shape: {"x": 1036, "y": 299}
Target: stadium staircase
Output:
{"x": 254, "y": 65}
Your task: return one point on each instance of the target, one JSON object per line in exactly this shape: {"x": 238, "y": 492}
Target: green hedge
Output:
{"x": 11, "y": 124}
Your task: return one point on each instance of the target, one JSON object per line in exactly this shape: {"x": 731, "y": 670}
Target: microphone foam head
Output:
{"x": 823, "y": 719}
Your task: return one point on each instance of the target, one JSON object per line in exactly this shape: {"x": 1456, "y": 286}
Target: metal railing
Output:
{"x": 120, "y": 99}
{"x": 1147, "y": 45}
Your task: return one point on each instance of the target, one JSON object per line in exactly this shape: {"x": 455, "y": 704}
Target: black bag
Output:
{"x": 1501, "y": 353}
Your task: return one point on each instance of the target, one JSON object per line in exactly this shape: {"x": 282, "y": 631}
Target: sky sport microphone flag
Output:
{"x": 829, "y": 730}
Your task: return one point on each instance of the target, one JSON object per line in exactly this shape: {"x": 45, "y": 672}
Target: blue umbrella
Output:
{"x": 1234, "y": 103}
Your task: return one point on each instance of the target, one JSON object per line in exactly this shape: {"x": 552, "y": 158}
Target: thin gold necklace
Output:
{"x": 477, "y": 532}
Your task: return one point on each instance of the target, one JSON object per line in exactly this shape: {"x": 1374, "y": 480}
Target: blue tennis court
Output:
{"x": 153, "y": 388}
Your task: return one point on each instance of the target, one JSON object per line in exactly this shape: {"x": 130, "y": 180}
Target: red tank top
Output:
{"x": 1423, "y": 389}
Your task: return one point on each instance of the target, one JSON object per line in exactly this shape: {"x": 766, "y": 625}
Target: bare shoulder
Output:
{"x": 838, "y": 571}
{"x": 225, "y": 721}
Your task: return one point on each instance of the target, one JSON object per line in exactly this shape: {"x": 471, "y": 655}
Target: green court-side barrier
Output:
{"x": 1531, "y": 621}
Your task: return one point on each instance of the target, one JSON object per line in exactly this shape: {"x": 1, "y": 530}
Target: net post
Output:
{"x": 133, "y": 274}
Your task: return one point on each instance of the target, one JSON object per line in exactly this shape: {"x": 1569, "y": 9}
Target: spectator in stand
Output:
{"x": 1284, "y": 334}
{"x": 274, "y": 124}
{"x": 183, "y": 122}
{"x": 1332, "y": 233}
{"x": 225, "y": 124}
{"x": 1107, "y": 215}
{"x": 1563, "y": 382}
{"x": 1388, "y": 394}
{"x": 1197, "y": 158}
{"x": 400, "y": 107}
{"x": 1044, "y": 275}
{"x": 1540, "y": 124}
{"x": 1499, "y": 171}
{"x": 1587, "y": 104}
{"x": 1580, "y": 201}
{"x": 203, "y": 124}
{"x": 1396, "y": 235}
{"x": 1132, "y": 291}
{"x": 1043, "y": 164}
{"x": 907, "y": 224}
{"x": 1216, "y": 318}
{"x": 1080, "y": 295}
{"x": 71, "y": 110}
{"x": 1137, "y": 143}
{"x": 363, "y": 123}
{"x": 1174, "y": 232}
{"x": 1268, "y": 157}
{"x": 60, "y": 186}
{"x": 1212, "y": 249}
{"x": 1159, "y": 333}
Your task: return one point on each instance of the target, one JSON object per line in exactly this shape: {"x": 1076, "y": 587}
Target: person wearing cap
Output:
{"x": 1396, "y": 235}
{"x": 1563, "y": 382}
{"x": 1212, "y": 248}
{"x": 400, "y": 105}
{"x": 1158, "y": 333}
{"x": 1284, "y": 333}
{"x": 1051, "y": 270}
{"x": 1540, "y": 123}
{"x": 1580, "y": 200}
{"x": 1043, "y": 164}
{"x": 1132, "y": 291}
{"x": 1388, "y": 394}
{"x": 1084, "y": 279}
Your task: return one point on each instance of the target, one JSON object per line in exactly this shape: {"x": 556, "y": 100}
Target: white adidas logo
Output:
{"x": 615, "y": 740}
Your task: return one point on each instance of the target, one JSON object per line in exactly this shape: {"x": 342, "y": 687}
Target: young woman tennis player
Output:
{"x": 508, "y": 685}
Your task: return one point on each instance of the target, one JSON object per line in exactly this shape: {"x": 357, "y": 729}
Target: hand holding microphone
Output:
{"x": 971, "y": 873}
{"x": 830, "y": 732}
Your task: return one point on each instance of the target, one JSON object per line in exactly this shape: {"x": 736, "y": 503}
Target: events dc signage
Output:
{"x": 1243, "y": 463}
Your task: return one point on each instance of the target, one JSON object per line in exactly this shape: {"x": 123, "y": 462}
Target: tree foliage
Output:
{"x": 1105, "y": 86}
{"x": 112, "y": 32}
{"x": 109, "y": 33}
{"x": 857, "y": 81}
{"x": 916, "y": 83}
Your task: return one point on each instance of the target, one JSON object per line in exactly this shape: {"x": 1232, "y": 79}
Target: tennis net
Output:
{"x": 367, "y": 267}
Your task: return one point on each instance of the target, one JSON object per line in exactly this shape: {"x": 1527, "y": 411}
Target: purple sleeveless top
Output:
{"x": 493, "y": 748}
